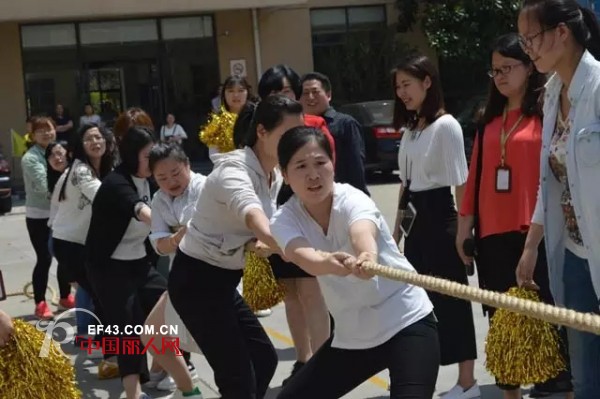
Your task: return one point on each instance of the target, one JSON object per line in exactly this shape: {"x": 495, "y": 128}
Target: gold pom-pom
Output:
{"x": 26, "y": 374}
{"x": 522, "y": 350}
{"x": 261, "y": 290}
{"x": 218, "y": 132}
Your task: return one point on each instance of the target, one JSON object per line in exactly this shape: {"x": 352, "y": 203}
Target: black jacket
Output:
{"x": 112, "y": 210}
{"x": 349, "y": 149}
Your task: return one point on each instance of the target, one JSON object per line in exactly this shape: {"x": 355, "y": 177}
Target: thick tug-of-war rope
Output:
{"x": 565, "y": 317}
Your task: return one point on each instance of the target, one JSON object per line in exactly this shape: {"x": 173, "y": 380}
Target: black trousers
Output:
{"x": 72, "y": 256}
{"x": 430, "y": 248}
{"x": 127, "y": 291}
{"x": 412, "y": 357}
{"x": 39, "y": 234}
{"x": 232, "y": 339}
{"x": 497, "y": 259}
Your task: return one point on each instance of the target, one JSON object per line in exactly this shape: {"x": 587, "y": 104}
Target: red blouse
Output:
{"x": 504, "y": 212}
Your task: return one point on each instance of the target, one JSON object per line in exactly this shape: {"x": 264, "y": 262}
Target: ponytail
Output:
{"x": 244, "y": 134}
{"x": 592, "y": 42}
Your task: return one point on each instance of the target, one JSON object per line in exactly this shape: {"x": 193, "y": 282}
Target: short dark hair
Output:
{"x": 232, "y": 81}
{"x": 164, "y": 151}
{"x": 290, "y": 143}
{"x": 298, "y": 137}
{"x": 130, "y": 145}
{"x": 580, "y": 20}
{"x": 508, "y": 46}
{"x": 272, "y": 80}
{"x": 269, "y": 113}
{"x": 324, "y": 79}
{"x": 242, "y": 124}
{"x": 420, "y": 67}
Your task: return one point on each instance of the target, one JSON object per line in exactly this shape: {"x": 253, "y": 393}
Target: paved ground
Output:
{"x": 16, "y": 262}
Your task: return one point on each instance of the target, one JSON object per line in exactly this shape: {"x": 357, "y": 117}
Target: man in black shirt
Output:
{"x": 346, "y": 131}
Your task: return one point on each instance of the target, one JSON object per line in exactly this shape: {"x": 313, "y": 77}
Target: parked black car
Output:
{"x": 5, "y": 186}
{"x": 381, "y": 139}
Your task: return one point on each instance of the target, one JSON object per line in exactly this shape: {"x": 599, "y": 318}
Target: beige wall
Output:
{"x": 285, "y": 37}
{"x": 32, "y": 10}
{"x": 12, "y": 100}
{"x": 235, "y": 40}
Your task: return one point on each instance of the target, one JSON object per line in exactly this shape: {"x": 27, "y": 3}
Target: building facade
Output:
{"x": 171, "y": 56}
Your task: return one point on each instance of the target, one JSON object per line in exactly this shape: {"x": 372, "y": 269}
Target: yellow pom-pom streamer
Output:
{"x": 522, "y": 350}
{"x": 218, "y": 132}
{"x": 261, "y": 290}
{"x": 24, "y": 374}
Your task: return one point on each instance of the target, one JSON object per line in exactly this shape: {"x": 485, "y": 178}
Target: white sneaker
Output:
{"x": 167, "y": 384}
{"x": 155, "y": 378}
{"x": 263, "y": 313}
{"x": 458, "y": 392}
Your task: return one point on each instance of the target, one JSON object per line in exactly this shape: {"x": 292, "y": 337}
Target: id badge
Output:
{"x": 503, "y": 179}
{"x": 2, "y": 289}
{"x": 408, "y": 219}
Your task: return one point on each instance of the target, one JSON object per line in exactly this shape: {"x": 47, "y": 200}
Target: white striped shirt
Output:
{"x": 434, "y": 157}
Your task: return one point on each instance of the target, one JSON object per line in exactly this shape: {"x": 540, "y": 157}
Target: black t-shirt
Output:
{"x": 61, "y": 121}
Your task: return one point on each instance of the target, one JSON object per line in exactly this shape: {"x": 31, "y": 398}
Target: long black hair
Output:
{"x": 508, "y": 46}
{"x": 78, "y": 153}
{"x": 52, "y": 175}
{"x": 269, "y": 113}
{"x": 419, "y": 67}
{"x": 580, "y": 20}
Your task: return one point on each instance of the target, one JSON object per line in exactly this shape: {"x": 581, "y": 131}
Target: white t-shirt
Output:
{"x": 176, "y": 131}
{"x": 93, "y": 119}
{"x": 132, "y": 245}
{"x": 169, "y": 214}
{"x": 367, "y": 313}
{"x": 72, "y": 220}
{"x": 434, "y": 157}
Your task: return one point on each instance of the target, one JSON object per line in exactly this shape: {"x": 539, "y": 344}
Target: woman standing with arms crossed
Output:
{"x": 432, "y": 161}
{"x": 512, "y": 141}
{"x": 233, "y": 210}
{"x": 37, "y": 214}
{"x": 562, "y": 37}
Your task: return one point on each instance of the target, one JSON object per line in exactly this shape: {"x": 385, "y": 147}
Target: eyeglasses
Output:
{"x": 94, "y": 139}
{"x": 526, "y": 42}
{"x": 503, "y": 70}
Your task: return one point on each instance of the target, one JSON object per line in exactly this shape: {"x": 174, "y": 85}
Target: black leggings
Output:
{"x": 39, "y": 234}
{"x": 230, "y": 336}
{"x": 72, "y": 256}
{"x": 412, "y": 357}
{"x": 127, "y": 291}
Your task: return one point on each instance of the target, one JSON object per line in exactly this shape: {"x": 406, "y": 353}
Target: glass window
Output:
{"x": 43, "y": 36}
{"x": 186, "y": 28}
{"x": 366, "y": 15}
{"x": 329, "y": 19}
{"x": 140, "y": 30}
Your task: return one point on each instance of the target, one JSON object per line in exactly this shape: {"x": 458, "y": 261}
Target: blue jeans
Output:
{"x": 584, "y": 348}
{"x": 83, "y": 300}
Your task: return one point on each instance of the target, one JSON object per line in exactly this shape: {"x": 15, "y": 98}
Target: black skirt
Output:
{"x": 283, "y": 269}
{"x": 430, "y": 248}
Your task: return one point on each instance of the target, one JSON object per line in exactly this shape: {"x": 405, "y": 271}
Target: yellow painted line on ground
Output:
{"x": 380, "y": 382}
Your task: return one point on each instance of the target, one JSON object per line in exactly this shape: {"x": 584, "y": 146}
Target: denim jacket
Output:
{"x": 583, "y": 172}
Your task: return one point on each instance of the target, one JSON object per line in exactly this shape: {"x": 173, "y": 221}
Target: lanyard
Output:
{"x": 505, "y": 135}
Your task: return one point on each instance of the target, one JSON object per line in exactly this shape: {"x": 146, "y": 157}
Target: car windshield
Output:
{"x": 381, "y": 112}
